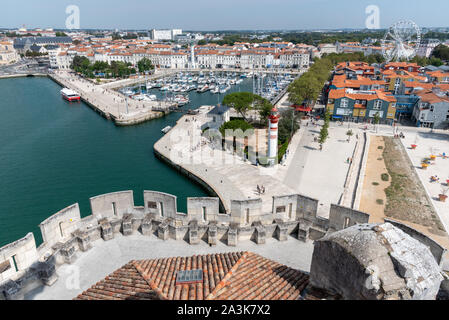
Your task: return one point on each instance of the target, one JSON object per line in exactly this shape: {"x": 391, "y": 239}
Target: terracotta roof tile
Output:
{"x": 235, "y": 275}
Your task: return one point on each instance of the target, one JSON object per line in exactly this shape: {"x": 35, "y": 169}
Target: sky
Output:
{"x": 208, "y": 15}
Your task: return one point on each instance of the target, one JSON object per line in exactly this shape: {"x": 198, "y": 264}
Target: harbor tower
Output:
{"x": 192, "y": 56}
{"x": 273, "y": 137}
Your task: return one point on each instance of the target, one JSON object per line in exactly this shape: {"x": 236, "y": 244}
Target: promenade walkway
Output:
{"x": 109, "y": 102}
{"x": 231, "y": 177}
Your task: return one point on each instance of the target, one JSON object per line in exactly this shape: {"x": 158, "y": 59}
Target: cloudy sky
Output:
{"x": 221, "y": 15}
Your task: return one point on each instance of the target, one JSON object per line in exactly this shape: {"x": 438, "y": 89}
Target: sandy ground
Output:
{"x": 371, "y": 193}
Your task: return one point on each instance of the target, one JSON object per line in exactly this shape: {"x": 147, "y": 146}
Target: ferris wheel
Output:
{"x": 401, "y": 41}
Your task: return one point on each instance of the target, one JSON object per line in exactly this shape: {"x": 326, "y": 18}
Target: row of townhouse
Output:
{"x": 361, "y": 106}
{"x": 169, "y": 56}
{"x": 393, "y": 91}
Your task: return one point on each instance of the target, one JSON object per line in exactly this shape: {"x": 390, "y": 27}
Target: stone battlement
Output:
{"x": 66, "y": 235}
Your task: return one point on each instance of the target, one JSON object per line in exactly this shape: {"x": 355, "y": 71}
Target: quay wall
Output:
{"x": 91, "y": 105}
{"x": 66, "y": 235}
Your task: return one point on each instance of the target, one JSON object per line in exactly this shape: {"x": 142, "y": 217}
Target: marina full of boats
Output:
{"x": 176, "y": 88}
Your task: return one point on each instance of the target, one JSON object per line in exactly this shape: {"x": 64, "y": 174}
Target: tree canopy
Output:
{"x": 115, "y": 69}
{"x": 441, "y": 52}
{"x": 144, "y": 65}
{"x": 235, "y": 125}
{"x": 244, "y": 101}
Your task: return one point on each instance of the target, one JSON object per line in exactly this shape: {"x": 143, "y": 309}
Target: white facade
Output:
{"x": 168, "y": 34}
{"x": 426, "y": 47}
{"x": 273, "y": 136}
{"x": 7, "y": 53}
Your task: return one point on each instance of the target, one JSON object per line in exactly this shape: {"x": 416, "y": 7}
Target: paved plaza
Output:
{"x": 428, "y": 144}
{"x": 319, "y": 174}
{"x": 111, "y": 255}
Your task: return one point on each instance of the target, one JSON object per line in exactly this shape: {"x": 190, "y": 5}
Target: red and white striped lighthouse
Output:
{"x": 273, "y": 136}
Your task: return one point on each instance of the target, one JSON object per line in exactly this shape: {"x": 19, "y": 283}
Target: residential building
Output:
{"x": 8, "y": 54}
{"x": 168, "y": 34}
{"x": 358, "y": 105}
{"x": 432, "y": 109}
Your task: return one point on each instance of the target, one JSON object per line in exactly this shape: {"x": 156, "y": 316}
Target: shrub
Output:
{"x": 384, "y": 176}
{"x": 375, "y": 183}
{"x": 379, "y": 201}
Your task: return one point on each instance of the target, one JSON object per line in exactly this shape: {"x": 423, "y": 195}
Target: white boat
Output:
{"x": 166, "y": 129}
{"x": 70, "y": 95}
{"x": 203, "y": 89}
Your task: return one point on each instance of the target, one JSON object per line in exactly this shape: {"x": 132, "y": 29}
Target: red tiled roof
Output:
{"x": 226, "y": 276}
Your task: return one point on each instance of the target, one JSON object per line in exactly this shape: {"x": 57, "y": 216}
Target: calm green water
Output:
{"x": 53, "y": 154}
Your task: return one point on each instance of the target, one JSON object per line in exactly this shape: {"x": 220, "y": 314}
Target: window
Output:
{"x": 344, "y": 103}
{"x": 290, "y": 211}
{"x": 347, "y": 221}
{"x": 204, "y": 214}
{"x": 152, "y": 205}
{"x": 162, "y": 208}
{"x": 280, "y": 209}
{"x": 377, "y": 105}
{"x": 247, "y": 216}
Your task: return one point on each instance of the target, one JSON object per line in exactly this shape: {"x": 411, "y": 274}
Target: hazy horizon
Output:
{"x": 232, "y": 15}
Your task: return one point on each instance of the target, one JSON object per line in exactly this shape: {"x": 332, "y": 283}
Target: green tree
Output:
{"x": 349, "y": 133}
{"x": 288, "y": 125}
{"x": 441, "y": 52}
{"x": 376, "y": 119}
{"x": 244, "y": 101}
{"x": 144, "y": 65}
{"x": 235, "y": 125}
{"x": 202, "y": 42}
{"x": 324, "y": 134}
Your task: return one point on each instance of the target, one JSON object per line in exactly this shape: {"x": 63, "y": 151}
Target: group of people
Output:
{"x": 434, "y": 178}
{"x": 399, "y": 135}
{"x": 260, "y": 189}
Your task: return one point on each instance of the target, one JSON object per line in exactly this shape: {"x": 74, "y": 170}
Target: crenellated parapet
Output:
{"x": 67, "y": 234}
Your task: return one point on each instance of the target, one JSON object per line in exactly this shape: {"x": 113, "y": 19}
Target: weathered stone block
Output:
{"x": 232, "y": 235}
{"x": 11, "y": 290}
{"x": 212, "y": 234}
{"x": 281, "y": 231}
{"x": 46, "y": 272}
{"x": 127, "y": 225}
{"x": 304, "y": 231}
{"x": 83, "y": 240}
{"x": 68, "y": 253}
{"x": 106, "y": 230}
{"x": 260, "y": 234}
{"x": 193, "y": 232}
{"x": 147, "y": 225}
{"x": 162, "y": 231}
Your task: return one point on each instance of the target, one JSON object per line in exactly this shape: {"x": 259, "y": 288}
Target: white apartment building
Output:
{"x": 426, "y": 47}
{"x": 327, "y": 48}
{"x": 8, "y": 54}
{"x": 168, "y": 34}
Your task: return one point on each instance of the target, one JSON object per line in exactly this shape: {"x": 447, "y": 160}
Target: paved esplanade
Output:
{"x": 314, "y": 173}
{"x": 428, "y": 144}
{"x": 107, "y": 100}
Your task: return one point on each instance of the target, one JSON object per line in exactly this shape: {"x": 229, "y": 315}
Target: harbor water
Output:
{"x": 54, "y": 153}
